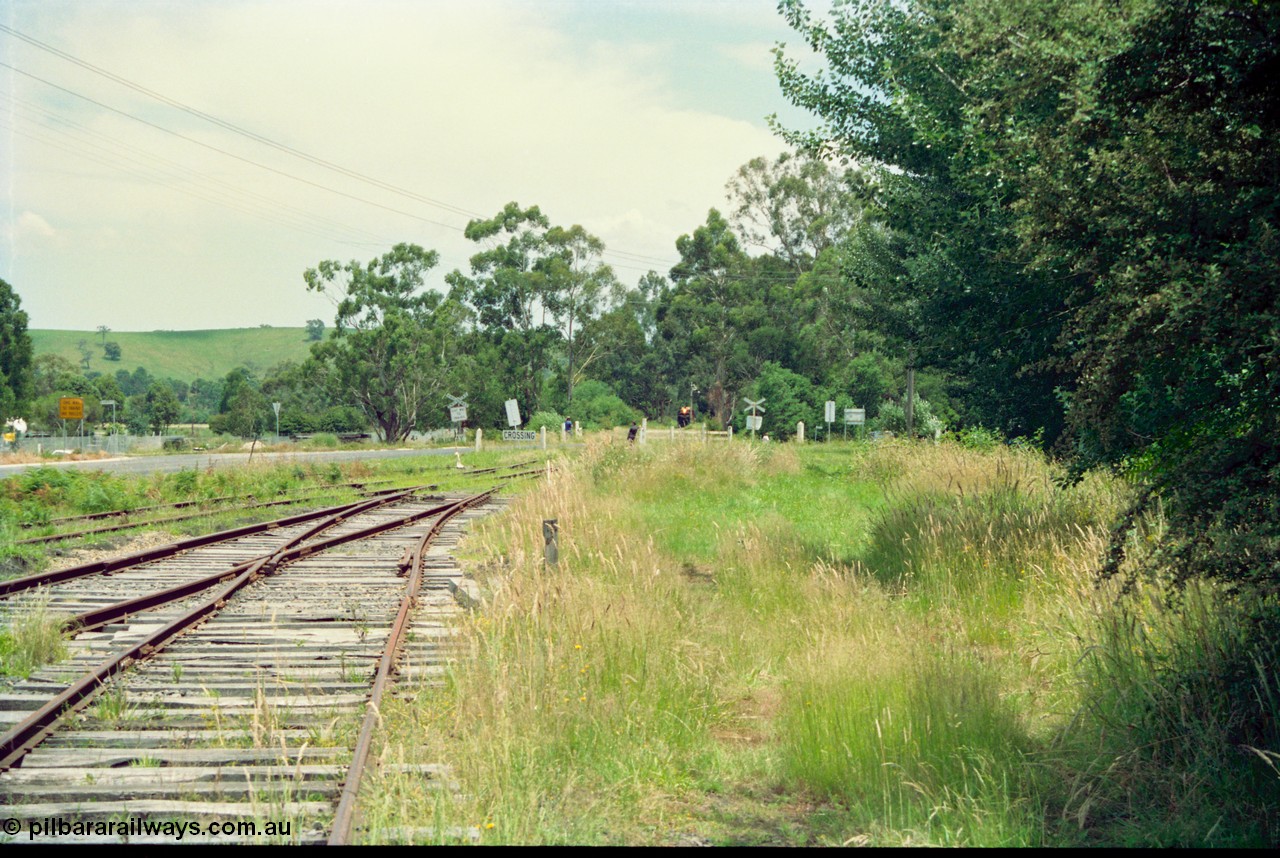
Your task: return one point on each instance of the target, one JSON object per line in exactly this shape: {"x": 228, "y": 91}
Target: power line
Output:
{"x": 230, "y": 126}
{"x": 220, "y": 151}
{"x": 282, "y": 147}
{"x": 160, "y": 166}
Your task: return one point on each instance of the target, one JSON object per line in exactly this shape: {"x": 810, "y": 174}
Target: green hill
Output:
{"x": 184, "y": 355}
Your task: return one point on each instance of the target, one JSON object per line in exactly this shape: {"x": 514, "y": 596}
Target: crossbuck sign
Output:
{"x": 754, "y": 421}
{"x": 457, "y": 408}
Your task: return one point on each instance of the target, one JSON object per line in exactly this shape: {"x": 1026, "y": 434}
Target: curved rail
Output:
{"x": 344, "y": 817}
{"x": 33, "y": 729}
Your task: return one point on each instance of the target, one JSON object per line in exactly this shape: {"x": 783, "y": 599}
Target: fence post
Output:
{"x": 544, "y": 437}
{"x": 644, "y": 429}
{"x": 479, "y": 435}
{"x": 800, "y": 432}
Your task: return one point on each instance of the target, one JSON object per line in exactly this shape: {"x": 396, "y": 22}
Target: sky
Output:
{"x": 178, "y": 164}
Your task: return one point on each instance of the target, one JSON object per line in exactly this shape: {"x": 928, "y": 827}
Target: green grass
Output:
{"x": 30, "y": 635}
{"x": 886, "y": 644}
{"x": 182, "y": 355}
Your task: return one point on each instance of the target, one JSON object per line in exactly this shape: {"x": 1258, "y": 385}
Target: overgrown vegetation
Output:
{"x": 880, "y": 644}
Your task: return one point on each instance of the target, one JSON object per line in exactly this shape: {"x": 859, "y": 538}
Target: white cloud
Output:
{"x": 31, "y": 225}
{"x": 472, "y": 105}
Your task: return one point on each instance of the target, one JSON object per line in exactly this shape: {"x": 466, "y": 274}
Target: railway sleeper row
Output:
{"x": 252, "y": 714}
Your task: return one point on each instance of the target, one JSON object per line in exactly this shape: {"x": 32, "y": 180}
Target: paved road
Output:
{"x": 200, "y": 461}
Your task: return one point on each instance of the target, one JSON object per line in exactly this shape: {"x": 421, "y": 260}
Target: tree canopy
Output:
{"x": 392, "y": 344}
{"x": 1080, "y": 202}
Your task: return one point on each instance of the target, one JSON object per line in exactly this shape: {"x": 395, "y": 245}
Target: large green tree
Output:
{"x": 393, "y": 341}
{"x": 510, "y": 296}
{"x": 577, "y": 283}
{"x": 1082, "y": 207}
{"x": 941, "y": 271}
{"x": 15, "y": 354}
{"x": 701, "y": 318}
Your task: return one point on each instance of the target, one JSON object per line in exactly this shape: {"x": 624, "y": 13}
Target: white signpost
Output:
{"x": 754, "y": 421}
{"x": 854, "y": 417}
{"x": 457, "y": 407}
{"x": 457, "y": 413}
{"x": 829, "y": 413}
{"x": 513, "y": 413}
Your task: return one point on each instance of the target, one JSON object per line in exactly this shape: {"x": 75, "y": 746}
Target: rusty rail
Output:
{"x": 344, "y": 817}
{"x": 41, "y": 723}
{"x": 98, "y": 567}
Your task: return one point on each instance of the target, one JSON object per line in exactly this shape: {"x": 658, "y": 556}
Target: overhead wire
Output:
{"x": 227, "y": 153}
{"x": 236, "y": 129}
{"x": 626, "y": 256}
{"x": 156, "y": 165}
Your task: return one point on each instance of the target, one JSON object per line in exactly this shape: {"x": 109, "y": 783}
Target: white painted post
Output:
{"x": 644, "y": 429}
{"x": 544, "y": 437}
{"x": 577, "y": 429}
{"x": 479, "y": 435}
{"x": 731, "y": 432}
{"x": 800, "y": 432}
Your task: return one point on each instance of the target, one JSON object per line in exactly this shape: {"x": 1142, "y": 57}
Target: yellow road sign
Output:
{"x": 71, "y": 408}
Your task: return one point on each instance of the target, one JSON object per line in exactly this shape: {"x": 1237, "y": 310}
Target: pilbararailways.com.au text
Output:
{"x": 139, "y": 827}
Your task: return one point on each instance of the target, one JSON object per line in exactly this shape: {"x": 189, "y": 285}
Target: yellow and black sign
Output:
{"x": 71, "y": 408}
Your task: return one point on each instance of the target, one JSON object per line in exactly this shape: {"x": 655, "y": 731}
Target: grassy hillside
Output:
{"x": 184, "y": 355}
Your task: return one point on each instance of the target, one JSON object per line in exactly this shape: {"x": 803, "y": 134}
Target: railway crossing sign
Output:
{"x": 754, "y": 420}
{"x": 513, "y": 413}
{"x": 457, "y": 408}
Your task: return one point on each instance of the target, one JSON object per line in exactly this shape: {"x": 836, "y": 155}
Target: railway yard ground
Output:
{"x": 661, "y": 644}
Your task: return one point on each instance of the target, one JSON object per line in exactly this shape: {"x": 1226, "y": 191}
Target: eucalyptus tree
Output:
{"x": 702, "y": 317}
{"x": 949, "y": 280}
{"x": 393, "y": 341}
{"x": 798, "y": 205}
{"x": 577, "y": 282}
{"x": 511, "y": 296}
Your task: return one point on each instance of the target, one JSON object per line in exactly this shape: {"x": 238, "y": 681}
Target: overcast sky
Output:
{"x": 349, "y": 126}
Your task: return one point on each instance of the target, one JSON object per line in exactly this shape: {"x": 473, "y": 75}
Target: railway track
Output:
{"x": 211, "y": 506}
{"x": 230, "y": 690}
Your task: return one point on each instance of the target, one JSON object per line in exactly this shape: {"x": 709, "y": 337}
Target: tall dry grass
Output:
{"x": 697, "y": 664}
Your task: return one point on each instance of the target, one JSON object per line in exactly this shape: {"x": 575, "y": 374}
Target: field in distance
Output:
{"x": 184, "y": 355}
